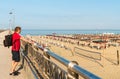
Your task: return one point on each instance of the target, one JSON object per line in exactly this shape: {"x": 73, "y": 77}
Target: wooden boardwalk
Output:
{"x": 5, "y": 61}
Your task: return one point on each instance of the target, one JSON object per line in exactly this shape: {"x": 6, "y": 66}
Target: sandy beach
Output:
{"x": 102, "y": 62}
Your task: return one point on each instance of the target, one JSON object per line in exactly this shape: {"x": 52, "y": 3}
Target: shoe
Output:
{"x": 11, "y": 73}
{"x": 16, "y": 73}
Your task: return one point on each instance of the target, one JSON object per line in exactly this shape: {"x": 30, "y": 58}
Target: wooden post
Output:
{"x": 117, "y": 57}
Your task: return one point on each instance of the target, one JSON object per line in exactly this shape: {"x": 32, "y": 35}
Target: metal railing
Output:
{"x": 41, "y": 59}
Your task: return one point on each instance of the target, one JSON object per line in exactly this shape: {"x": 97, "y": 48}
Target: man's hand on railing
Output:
{"x": 27, "y": 40}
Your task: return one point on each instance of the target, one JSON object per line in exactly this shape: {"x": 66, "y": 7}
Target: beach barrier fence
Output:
{"x": 87, "y": 53}
{"x": 44, "y": 67}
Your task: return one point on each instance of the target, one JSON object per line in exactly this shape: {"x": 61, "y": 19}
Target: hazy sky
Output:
{"x": 62, "y": 14}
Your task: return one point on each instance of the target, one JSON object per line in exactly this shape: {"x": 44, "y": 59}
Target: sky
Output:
{"x": 61, "y": 14}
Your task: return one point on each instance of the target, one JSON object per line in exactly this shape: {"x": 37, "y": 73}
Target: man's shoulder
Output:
{"x": 16, "y": 35}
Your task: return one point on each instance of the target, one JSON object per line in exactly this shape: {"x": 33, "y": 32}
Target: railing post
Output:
{"x": 72, "y": 74}
{"x": 46, "y": 62}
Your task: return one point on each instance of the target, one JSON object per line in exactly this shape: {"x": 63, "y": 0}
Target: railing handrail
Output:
{"x": 84, "y": 73}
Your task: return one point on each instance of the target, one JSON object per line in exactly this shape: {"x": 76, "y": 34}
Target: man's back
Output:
{"x": 16, "y": 42}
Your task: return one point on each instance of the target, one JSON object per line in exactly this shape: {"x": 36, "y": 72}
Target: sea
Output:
{"x": 66, "y": 32}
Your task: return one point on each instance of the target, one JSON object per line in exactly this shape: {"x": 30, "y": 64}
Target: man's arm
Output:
{"x": 22, "y": 38}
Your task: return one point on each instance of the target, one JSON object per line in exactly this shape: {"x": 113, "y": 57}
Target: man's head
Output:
{"x": 17, "y": 29}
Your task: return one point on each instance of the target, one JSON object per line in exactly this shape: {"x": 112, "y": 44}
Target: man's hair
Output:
{"x": 17, "y": 29}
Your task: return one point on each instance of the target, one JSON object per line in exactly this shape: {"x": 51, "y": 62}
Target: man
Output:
{"x": 16, "y": 48}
